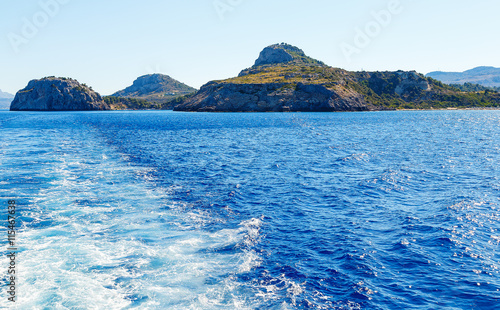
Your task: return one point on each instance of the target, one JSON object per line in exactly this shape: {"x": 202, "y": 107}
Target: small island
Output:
{"x": 57, "y": 94}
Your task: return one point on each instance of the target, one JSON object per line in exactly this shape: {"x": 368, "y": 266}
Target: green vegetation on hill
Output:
{"x": 299, "y": 57}
{"x": 123, "y": 103}
{"x": 285, "y": 78}
{"x": 471, "y": 87}
{"x": 153, "y": 91}
{"x": 178, "y": 100}
{"x": 288, "y": 73}
{"x": 381, "y": 92}
{"x": 158, "y": 89}
{"x": 385, "y": 90}
{"x": 120, "y": 103}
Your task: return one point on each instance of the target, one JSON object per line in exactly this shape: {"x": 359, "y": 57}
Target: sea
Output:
{"x": 174, "y": 210}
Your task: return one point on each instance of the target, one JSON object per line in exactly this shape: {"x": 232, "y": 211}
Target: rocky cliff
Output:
{"x": 273, "y": 97}
{"x": 273, "y": 55}
{"x": 57, "y": 94}
{"x": 285, "y": 79}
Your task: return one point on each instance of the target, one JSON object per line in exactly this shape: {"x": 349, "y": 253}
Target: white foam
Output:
{"x": 109, "y": 243}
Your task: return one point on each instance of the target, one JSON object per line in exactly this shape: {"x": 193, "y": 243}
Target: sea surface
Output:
{"x": 171, "y": 210}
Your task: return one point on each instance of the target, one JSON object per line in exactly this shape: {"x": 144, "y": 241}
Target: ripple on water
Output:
{"x": 156, "y": 210}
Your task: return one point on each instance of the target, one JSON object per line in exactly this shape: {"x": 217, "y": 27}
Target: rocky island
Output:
{"x": 284, "y": 78}
{"x": 57, "y": 94}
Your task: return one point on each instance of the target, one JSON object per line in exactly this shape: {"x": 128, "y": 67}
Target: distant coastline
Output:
{"x": 283, "y": 79}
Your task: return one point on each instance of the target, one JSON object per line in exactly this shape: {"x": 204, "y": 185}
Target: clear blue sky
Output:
{"x": 109, "y": 43}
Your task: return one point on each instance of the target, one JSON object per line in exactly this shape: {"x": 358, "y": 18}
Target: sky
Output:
{"x": 108, "y": 44}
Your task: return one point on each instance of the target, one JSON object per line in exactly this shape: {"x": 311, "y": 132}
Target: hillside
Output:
{"x": 283, "y": 78}
{"x": 127, "y": 103}
{"x": 155, "y": 88}
{"x": 485, "y": 76}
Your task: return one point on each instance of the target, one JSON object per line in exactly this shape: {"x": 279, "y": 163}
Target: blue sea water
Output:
{"x": 167, "y": 210}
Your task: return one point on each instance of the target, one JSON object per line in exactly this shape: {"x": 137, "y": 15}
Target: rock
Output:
{"x": 411, "y": 80}
{"x": 269, "y": 97}
{"x": 57, "y": 94}
{"x": 273, "y": 55}
{"x": 280, "y": 54}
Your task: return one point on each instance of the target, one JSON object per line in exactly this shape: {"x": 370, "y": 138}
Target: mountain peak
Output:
{"x": 156, "y": 85}
{"x": 283, "y": 53}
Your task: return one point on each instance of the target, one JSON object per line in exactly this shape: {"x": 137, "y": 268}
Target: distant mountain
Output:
{"x": 284, "y": 79}
{"x": 485, "y": 76}
{"x": 5, "y": 100}
{"x": 5, "y": 95}
{"x": 157, "y": 88}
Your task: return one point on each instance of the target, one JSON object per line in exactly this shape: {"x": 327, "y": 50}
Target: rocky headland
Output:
{"x": 57, "y": 94}
{"x": 284, "y": 78}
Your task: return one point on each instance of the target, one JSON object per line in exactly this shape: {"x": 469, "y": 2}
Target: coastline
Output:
{"x": 278, "y": 112}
